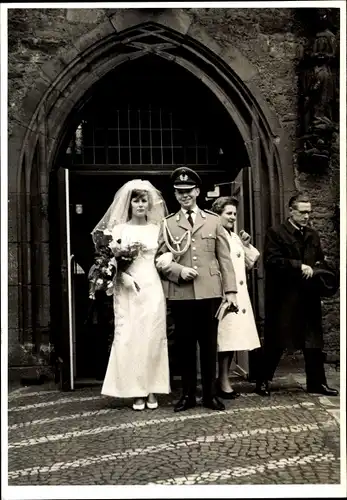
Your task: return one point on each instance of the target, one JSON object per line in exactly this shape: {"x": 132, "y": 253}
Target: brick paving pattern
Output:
{"x": 82, "y": 438}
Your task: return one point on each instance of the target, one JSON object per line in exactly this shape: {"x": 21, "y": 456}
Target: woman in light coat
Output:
{"x": 236, "y": 331}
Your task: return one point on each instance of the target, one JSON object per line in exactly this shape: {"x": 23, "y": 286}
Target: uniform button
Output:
{"x": 195, "y": 267}
{"x": 193, "y": 248}
{"x": 194, "y": 258}
{"x": 241, "y": 282}
{"x": 176, "y": 237}
{"x": 193, "y": 239}
{"x": 239, "y": 255}
{"x": 210, "y": 234}
{"x": 243, "y": 310}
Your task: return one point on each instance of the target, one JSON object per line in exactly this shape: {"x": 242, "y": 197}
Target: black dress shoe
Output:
{"x": 262, "y": 388}
{"x": 322, "y": 389}
{"x": 213, "y": 404}
{"x": 185, "y": 402}
{"x": 228, "y": 395}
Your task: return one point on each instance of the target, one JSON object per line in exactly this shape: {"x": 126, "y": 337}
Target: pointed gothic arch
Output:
{"x": 66, "y": 84}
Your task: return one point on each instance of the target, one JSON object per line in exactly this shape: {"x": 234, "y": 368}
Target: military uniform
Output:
{"x": 208, "y": 253}
{"x": 194, "y": 303}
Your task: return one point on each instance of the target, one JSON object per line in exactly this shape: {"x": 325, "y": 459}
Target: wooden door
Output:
{"x": 67, "y": 320}
{"x": 239, "y": 189}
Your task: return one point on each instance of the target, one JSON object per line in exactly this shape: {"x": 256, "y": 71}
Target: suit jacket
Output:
{"x": 208, "y": 253}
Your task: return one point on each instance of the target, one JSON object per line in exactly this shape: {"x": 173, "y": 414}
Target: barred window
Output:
{"x": 152, "y": 136}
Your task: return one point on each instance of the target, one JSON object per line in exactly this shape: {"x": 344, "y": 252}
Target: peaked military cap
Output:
{"x": 185, "y": 178}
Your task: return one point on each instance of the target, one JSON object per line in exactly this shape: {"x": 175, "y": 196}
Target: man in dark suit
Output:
{"x": 293, "y": 316}
{"x": 194, "y": 282}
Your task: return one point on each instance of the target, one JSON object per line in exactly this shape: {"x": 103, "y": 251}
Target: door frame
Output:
{"x": 68, "y": 324}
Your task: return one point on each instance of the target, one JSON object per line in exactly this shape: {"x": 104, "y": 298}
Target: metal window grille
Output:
{"x": 152, "y": 136}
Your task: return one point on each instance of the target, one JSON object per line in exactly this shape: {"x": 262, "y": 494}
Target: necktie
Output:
{"x": 190, "y": 218}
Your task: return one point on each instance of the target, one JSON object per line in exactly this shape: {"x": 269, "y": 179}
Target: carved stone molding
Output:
{"x": 318, "y": 94}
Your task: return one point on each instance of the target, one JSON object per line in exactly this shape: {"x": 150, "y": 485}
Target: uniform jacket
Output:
{"x": 293, "y": 317}
{"x": 208, "y": 253}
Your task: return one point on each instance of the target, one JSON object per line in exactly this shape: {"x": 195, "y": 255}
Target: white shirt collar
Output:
{"x": 194, "y": 210}
{"x": 296, "y": 227}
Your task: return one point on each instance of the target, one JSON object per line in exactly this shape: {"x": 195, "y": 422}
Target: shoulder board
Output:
{"x": 211, "y": 213}
{"x": 170, "y": 215}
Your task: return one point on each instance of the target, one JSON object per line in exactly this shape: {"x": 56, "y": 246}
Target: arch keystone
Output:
{"x": 175, "y": 19}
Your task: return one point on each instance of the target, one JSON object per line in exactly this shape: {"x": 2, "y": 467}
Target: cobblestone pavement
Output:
{"x": 82, "y": 438}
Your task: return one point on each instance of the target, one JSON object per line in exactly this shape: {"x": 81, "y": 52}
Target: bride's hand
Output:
{"x": 129, "y": 282}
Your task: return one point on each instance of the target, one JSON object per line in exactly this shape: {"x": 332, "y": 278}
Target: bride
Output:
{"x": 138, "y": 366}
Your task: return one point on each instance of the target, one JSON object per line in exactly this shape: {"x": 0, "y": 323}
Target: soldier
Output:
{"x": 193, "y": 258}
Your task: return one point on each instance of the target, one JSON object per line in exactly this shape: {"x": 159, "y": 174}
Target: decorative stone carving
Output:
{"x": 318, "y": 96}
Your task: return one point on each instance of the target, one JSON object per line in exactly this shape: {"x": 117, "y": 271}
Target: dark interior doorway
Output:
{"x": 142, "y": 120}
{"x": 90, "y": 196}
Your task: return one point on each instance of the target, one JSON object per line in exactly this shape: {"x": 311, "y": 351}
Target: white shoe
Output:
{"x": 152, "y": 406}
{"x": 139, "y": 406}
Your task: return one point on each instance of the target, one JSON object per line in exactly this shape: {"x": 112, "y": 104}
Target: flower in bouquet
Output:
{"x": 125, "y": 255}
{"x": 102, "y": 273}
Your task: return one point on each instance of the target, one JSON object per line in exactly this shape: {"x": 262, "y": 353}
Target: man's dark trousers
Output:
{"x": 195, "y": 322}
{"x": 314, "y": 364}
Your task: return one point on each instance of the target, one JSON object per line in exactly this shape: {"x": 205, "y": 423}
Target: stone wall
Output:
{"x": 268, "y": 38}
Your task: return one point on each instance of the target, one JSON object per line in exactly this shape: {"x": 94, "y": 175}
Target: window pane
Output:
{"x": 165, "y": 120}
{"x": 100, "y": 156}
{"x": 88, "y": 156}
{"x": 87, "y": 135}
{"x": 156, "y": 153}
{"x": 123, "y": 118}
{"x": 124, "y": 156}
{"x": 77, "y": 159}
{"x": 177, "y": 137}
{"x": 144, "y": 119}
{"x": 178, "y": 156}
{"x": 190, "y": 156}
{"x": 189, "y": 137}
{"x": 145, "y": 137}
{"x": 135, "y": 156}
{"x": 166, "y": 138}
{"x": 99, "y": 137}
{"x": 134, "y": 119}
{"x": 113, "y": 158}
{"x": 134, "y": 138}
{"x": 155, "y": 122}
{"x": 167, "y": 156}
{"x": 156, "y": 138}
{"x": 146, "y": 157}
{"x": 124, "y": 137}
{"x": 112, "y": 137}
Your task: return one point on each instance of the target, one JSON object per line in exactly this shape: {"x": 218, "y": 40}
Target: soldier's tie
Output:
{"x": 190, "y": 218}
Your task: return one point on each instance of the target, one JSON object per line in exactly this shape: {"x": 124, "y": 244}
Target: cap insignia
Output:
{"x": 183, "y": 177}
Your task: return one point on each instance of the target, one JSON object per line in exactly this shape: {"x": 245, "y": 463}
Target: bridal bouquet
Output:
{"x": 125, "y": 256}
{"x": 112, "y": 261}
{"x": 104, "y": 270}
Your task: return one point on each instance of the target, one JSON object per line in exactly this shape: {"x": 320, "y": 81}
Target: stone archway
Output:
{"x": 64, "y": 86}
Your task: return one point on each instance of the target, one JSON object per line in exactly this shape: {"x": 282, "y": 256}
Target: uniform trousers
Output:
{"x": 314, "y": 364}
{"x": 195, "y": 322}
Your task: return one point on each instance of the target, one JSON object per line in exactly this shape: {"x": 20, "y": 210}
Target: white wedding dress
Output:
{"x": 138, "y": 363}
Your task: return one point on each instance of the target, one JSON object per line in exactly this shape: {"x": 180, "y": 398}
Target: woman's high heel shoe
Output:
{"x": 227, "y": 395}
{"x": 152, "y": 405}
{"x": 139, "y": 406}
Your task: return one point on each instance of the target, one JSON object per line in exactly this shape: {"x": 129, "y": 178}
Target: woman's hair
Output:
{"x": 220, "y": 203}
{"x": 139, "y": 193}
